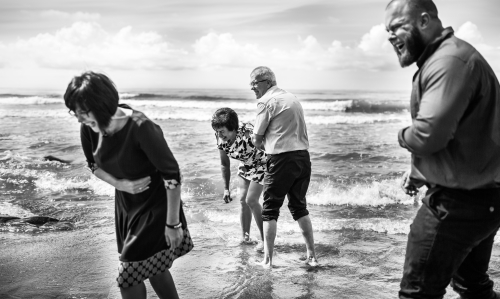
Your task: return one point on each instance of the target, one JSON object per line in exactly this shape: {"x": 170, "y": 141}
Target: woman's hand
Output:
{"x": 173, "y": 236}
{"x": 227, "y": 196}
{"x": 133, "y": 187}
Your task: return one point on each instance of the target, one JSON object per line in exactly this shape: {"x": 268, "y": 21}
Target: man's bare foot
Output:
{"x": 265, "y": 264}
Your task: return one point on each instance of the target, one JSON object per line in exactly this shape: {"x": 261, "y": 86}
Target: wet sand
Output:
{"x": 82, "y": 264}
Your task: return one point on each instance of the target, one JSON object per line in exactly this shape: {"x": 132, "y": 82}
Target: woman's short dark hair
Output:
{"x": 225, "y": 117}
{"x": 93, "y": 92}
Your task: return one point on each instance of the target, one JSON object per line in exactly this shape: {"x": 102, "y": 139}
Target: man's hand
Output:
{"x": 134, "y": 187}
{"x": 257, "y": 141}
{"x": 227, "y": 196}
{"x": 173, "y": 236}
{"x": 410, "y": 186}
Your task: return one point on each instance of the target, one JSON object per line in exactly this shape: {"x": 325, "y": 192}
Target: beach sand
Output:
{"x": 83, "y": 263}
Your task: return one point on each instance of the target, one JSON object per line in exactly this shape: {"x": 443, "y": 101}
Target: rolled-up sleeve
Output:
{"x": 446, "y": 94}
{"x": 155, "y": 147}
{"x": 263, "y": 118}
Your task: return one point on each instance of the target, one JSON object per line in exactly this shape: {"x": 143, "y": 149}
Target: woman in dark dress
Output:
{"x": 127, "y": 150}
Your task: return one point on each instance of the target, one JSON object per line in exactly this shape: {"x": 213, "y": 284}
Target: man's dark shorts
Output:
{"x": 450, "y": 240}
{"x": 287, "y": 174}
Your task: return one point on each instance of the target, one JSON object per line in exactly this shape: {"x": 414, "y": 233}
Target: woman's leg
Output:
{"x": 137, "y": 291}
{"x": 164, "y": 285}
{"x": 245, "y": 212}
{"x": 252, "y": 200}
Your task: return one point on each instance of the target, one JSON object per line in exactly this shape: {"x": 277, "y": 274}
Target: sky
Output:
{"x": 160, "y": 44}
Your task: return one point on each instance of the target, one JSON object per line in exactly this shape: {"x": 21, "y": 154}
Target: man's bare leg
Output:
{"x": 270, "y": 228}
{"x": 307, "y": 232}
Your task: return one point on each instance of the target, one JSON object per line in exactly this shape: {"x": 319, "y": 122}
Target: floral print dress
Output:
{"x": 252, "y": 160}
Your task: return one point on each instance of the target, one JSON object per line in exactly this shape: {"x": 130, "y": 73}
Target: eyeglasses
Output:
{"x": 253, "y": 83}
{"x": 76, "y": 114}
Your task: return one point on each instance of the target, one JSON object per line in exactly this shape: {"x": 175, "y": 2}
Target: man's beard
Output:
{"x": 414, "y": 45}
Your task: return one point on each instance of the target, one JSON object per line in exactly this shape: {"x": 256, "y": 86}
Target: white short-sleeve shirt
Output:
{"x": 280, "y": 119}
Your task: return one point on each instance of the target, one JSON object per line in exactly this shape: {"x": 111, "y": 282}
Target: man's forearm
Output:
{"x": 257, "y": 141}
{"x": 422, "y": 142}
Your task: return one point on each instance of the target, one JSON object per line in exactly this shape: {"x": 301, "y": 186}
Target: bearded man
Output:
{"x": 454, "y": 140}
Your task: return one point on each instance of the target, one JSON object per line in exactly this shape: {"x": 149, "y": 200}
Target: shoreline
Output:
{"x": 83, "y": 263}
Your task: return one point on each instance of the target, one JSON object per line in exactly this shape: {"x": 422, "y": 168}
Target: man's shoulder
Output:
{"x": 452, "y": 50}
{"x": 276, "y": 95}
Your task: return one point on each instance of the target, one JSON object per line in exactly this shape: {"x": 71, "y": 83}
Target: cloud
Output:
{"x": 88, "y": 45}
{"x": 373, "y": 53}
{"x": 470, "y": 33}
{"x": 77, "y": 16}
{"x": 222, "y": 50}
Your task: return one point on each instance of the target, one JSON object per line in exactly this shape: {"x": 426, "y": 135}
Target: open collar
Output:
{"x": 269, "y": 94}
{"x": 432, "y": 47}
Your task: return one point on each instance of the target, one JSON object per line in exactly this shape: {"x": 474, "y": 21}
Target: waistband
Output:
{"x": 288, "y": 153}
{"x": 479, "y": 196}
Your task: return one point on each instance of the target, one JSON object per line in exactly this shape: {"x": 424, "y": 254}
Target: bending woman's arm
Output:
{"x": 225, "y": 167}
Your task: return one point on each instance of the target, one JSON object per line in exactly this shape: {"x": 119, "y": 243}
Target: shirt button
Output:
{"x": 492, "y": 209}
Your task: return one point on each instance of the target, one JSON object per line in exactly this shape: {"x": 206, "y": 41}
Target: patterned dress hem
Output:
{"x": 134, "y": 273}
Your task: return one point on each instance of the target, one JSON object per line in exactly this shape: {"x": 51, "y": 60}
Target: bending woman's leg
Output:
{"x": 164, "y": 285}
{"x": 252, "y": 200}
{"x": 245, "y": 212}
{"x": 134, "y": 292}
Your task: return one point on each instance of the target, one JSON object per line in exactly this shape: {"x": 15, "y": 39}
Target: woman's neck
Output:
{"x": 118, "y": 121}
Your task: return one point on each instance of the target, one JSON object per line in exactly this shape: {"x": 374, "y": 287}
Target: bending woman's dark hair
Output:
{"x": 225, "y": 117}
{"x": 93, "y": 92}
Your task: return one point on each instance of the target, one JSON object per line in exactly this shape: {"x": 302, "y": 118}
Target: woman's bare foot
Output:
{"x": 312, "y": 261}
{"x": 247, "y": 240}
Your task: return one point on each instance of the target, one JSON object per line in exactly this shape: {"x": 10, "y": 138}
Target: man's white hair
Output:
{"x": 264, "y": 73}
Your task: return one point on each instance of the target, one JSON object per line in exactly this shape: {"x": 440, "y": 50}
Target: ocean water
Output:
{"x": 354, "y": 191}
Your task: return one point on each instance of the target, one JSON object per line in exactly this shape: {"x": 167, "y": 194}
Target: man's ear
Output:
{"x": 425, "y": 20}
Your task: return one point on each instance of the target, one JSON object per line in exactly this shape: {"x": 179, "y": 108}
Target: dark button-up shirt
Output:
{"x": 455, "y": 107}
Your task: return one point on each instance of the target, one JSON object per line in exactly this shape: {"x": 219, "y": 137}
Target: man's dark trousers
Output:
{"x": 451, "y": 240}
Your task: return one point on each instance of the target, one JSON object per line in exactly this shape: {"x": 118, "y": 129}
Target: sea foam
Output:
{"x": 386, "y": 192}
{"x": 35, "y": 100}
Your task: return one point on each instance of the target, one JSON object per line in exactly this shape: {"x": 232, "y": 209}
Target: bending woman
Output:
{"x": 127, "y": 150}
{"x": 234, "y": 141}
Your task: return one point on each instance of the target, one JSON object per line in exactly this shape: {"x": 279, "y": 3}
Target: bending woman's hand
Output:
{"x": 133, "y": 187}
{"x": 173, "y": 237}
{"x": 227, "y": 196}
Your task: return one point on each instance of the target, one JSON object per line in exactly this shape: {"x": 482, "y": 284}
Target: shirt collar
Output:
{"x": 432, "y": 47}
{"x": 269, "y": 94}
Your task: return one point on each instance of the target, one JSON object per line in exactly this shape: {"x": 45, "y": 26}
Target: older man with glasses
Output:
{"x": 281, "y": 128}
